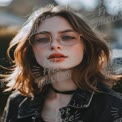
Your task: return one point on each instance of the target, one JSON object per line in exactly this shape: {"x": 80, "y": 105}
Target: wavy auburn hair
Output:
{"x": 85, "y": 75}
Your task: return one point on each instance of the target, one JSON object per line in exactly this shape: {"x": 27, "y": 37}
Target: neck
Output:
{"x": 62, "y": 81}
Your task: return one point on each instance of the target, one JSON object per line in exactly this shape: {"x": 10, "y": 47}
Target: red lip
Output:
{"x": 57, "y": 55}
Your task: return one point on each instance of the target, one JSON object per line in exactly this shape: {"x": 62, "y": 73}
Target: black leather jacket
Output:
{"x": 83, "y": 107}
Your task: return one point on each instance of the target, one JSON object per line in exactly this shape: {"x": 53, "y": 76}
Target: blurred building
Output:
{"x": 13, "y": 14}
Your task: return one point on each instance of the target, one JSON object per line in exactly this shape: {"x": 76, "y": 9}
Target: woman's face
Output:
{"x": 49, "y": 57}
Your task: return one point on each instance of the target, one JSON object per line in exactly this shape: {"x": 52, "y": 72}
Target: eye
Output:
{"x": 42, "y": 40}
{"x": 67, "y": 38}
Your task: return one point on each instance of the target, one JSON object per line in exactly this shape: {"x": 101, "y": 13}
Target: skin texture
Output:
{"x": 75, "y": 53}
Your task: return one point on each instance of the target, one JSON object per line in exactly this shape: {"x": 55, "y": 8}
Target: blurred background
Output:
{"x": 103, "y": 15}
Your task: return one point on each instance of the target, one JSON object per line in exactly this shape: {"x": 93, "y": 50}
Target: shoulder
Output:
{"x": 108, "y": 95}
{"x": 11, "y": 108}
{"x": 15, "y": 94}
{"x": 108, "y": 106}
{"x": 115, "y": 100}
{"x": 106, "y": 91}
{"x": 15, "y": 98}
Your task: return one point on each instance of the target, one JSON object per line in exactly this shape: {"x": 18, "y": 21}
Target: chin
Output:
{"x": 58, "y": 68}
{"x": 59, "y": 65}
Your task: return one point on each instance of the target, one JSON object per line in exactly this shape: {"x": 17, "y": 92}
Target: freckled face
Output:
{"x": 74, "y": 53}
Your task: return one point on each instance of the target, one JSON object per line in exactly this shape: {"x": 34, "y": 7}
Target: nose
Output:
{"x": 55, "y": 44}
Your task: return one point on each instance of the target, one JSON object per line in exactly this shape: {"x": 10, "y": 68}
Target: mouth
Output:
{"x": 57, "y": 57}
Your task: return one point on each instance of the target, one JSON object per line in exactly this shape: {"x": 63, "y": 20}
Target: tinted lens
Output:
{"x": 40, "y": 39}
{"x": 69, "y": 38}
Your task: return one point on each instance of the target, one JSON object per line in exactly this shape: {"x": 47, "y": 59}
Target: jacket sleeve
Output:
{"x": 11, "y": 108}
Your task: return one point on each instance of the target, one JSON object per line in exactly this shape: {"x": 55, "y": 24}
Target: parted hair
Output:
{"x": 91, "y": 70}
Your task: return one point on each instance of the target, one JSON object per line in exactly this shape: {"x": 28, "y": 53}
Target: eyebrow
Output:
{"x": 68, "y": 30}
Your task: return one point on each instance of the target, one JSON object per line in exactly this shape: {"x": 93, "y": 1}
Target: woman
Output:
{"x": 60, "y": 72}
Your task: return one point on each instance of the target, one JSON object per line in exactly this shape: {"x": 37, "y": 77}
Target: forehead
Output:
{"x": 55, "y": 24}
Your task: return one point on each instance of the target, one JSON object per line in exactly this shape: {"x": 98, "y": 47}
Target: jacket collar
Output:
{"x": 107, "y": 90}
{"x": 80, "y": 99}
{"x": 31, "y": 106}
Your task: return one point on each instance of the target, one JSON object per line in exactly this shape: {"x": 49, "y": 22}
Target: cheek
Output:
{"x": 39, "y": 56}
{"x": 77, "y": 54}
